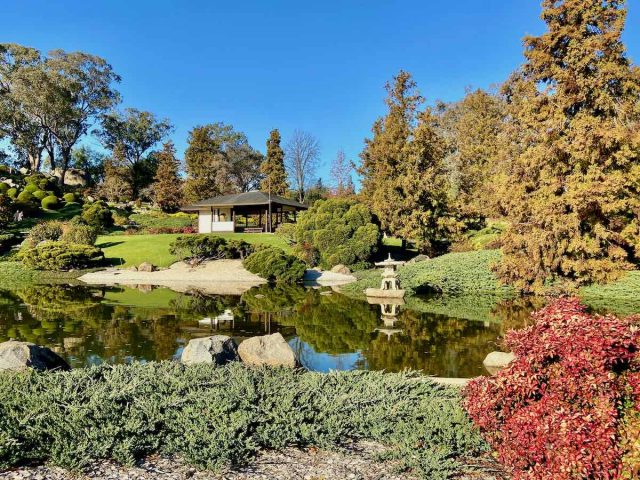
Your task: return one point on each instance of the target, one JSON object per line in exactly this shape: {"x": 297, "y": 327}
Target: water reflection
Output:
{"x": 87, "y": 325}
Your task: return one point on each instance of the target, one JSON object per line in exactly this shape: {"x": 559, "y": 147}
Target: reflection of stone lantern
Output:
{"x": 390, "y": 286}
{"x": 389, "y": 309}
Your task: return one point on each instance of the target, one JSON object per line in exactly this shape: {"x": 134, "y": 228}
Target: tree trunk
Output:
{"x": 64, "y": 165}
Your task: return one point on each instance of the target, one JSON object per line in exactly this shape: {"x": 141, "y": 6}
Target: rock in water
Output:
{"x": 22, "y": 355}
{"x": 270, "y": 350}
{"x": 496, "y": 361}
{"x": 218, "y": 349}
{"x": 340, "y": 268}
{"x": 146, "y": 267}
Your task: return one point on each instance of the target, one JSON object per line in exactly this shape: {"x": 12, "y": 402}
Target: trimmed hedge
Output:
{"x": 198, "y": 248}
{"x": 12, "y": 192}
{"x": 78, "y": 233}
{"x": 52, "y": 255}
{"x": 44, "y": 231}
{"x": 215, "y": 417}
{"x": 97, "y": 214}
{"x": 50, "y": 202}
{"x": 25, "y": 197}
{"x": 274, "y": 265}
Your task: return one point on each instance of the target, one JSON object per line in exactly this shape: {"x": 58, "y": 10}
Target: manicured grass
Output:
{"x": 129, "y": 250}
{"x": 216, "y": 417}
{"x": 621, "y": 297}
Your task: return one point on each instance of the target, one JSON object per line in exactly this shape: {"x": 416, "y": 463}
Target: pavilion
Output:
{"x": 250, "y": 212}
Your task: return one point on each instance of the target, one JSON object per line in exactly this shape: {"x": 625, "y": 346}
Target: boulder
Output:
{"x": 73, "y": 177}
{"x": 218, "y": 349}
{"x": 340, "y": 268}
{"x": 271, "y": 350}
{"x": 418, "y": 258}
{"x": 16, "y": 355}
{"x": 496, "y": 361}
{"x": 146, "y": 267}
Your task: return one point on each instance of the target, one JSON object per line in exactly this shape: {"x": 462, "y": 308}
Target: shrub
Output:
{"x": 558, "y": 411}
{"x": 30, "y": 187}
{"x": 4, "y": 187}
{"x": 7, "y": 240}
{"x": 287, "y": 231}
{"x": 217, "y": 417}
{"x": 12, "y": 192}
{"x": 160, "y": 220}
{"x": 52, "y": 255}
{"x": 337, "y": 231}
{"x": 7, "y": 209}
{"x": 39, "y": 194}
{"x": 25, "y": 197}
{"x": 50, "y": 203}
{"x": 44, "y": 231}
{"x": 274, "y": 265}
{"x": 97, "y": 214}
{"x": 198, "y": 248}
{"x": 41, "y": 182}
{"x": 81, "y": 234}
{"x": 70, "y": 197}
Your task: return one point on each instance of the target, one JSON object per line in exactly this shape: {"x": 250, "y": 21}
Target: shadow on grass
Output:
{"x": 108, "y": 244}
{"x": 113, "y": 262}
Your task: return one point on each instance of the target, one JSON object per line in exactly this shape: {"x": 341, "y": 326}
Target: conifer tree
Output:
{"x": 573, "y": 188}
{"x": 275, "y": 176}
{"x": 167, "y": 185}
{"x": 403, "y": 175}
{"x": 117, "y": 185}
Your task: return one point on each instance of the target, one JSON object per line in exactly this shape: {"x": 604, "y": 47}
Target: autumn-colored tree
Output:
{"x": 275, "y": 175}
{"x": 472, "y": 128}
{"x": 573, "y": 194}
{"x": 167, "y": 185}
{"x": 117, "y": 185}
{"x": 404, "y": 179}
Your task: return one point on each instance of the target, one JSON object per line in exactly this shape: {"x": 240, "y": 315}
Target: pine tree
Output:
{"x": 117, "y": 185}
{"x": 167, "y": 185}
{"x": 404, "y": 180}
{"x": 573, "y": 189}
{"x": 275, "y": 176}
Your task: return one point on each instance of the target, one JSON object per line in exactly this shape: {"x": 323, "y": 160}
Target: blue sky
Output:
{"x": 317, "y": 66}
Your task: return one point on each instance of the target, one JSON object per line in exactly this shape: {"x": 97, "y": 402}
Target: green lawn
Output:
{"x": 129, "y": 250}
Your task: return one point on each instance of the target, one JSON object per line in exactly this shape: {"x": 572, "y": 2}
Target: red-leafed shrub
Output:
{"x": 567, "y": 406}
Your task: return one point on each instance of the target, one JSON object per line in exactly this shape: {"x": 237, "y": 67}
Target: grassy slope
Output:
{"x": 128, "y": 250}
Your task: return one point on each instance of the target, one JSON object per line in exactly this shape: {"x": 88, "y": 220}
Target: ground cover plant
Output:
{"x": 198, "y": 248}
{"x": 216, "y": 417}
{"x": 57, "y": 255}
{"x": 568, "y": 406}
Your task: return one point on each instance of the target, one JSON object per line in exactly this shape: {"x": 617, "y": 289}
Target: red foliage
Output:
{"x": 555, "y": 412}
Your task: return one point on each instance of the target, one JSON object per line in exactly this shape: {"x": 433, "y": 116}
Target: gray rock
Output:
{"x": 218, "y": 349}
{"x": 133, "y": 269}
{"x": 496, "y": 361}
{"x": 146, "y": 267}
{"x": 16, "y": 355}
{"x": 340, "y": 268}
{"x": 418, "y": 258}
{"x": 271, "y": 350}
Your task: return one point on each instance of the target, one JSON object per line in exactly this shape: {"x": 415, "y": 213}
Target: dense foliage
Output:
{"x": 559, "y": 411}
{"x": 57, "y": 255}
{"x": 275, "y": 175}
{"x": 168, "y": 186}
{"x": 572, "y": 188}
{"x": 273, "y": 264}
{"x": 97, "y": 214}
{"x": 198, "y": 248}
{"x": 337, "y": 231}
{"x": 129, "y": 411}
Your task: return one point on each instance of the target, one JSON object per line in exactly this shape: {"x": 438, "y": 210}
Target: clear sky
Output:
{"x": 318, "y": 66}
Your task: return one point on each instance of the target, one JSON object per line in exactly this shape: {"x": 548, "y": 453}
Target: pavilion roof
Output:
{"x": 244, "y": 199}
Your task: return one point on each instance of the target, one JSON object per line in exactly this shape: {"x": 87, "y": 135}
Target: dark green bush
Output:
{"x": 12, "y": 192}
{"x": 50, "y": 203}
{"x": 7, "y": 240}
{"x": 7, "y": 209}
{"x": 40, "y": 194}
{"x": 337, "y": 231}
{"x": 42, "y": 182}
{"x": 81, "y": 234}
{"x": 274, "y": 265}
{"x": 215, "y": 417}
{"x": 25, "y": 197}
{"x": 159, "y": 220}
{"x": 44, "y": 231}
{"x": 53, "y": 255}
{"x": 4, "y": 187}
{"x": 97, "y": 214}
{"x": 198, "y": 248}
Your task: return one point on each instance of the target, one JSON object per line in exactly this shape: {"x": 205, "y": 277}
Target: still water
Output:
{"x": 89, "y": 325}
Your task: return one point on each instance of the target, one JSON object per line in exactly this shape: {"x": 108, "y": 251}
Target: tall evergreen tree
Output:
{"x": 275, "y": 175}
{"x": 167, "y": 185}
{"x": 573, "y": 192}
{"x": 403, "y": 175}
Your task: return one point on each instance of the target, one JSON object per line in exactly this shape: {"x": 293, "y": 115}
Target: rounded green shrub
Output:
{"x": 12, "y": 192}
{"x": 39, "y": 194}
{"x": 69, "y": 197}
{"x": 97, "y": 214}
{"x": 44, "y": 231}
{"x": 4, "y": 187}
{"x": 25, "y": 197}
{"x": 51, "y": 255}
{"x": 80, "y": 234}
{"x": 274, "y": 265}
{"x": 50, "y": 202}
{"x": 31, "y": 188}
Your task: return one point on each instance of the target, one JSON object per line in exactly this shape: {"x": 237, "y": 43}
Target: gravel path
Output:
{"x": 358, "y": 463}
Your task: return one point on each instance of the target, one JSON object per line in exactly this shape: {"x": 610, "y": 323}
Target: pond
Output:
{"x": 90, "y": 325}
